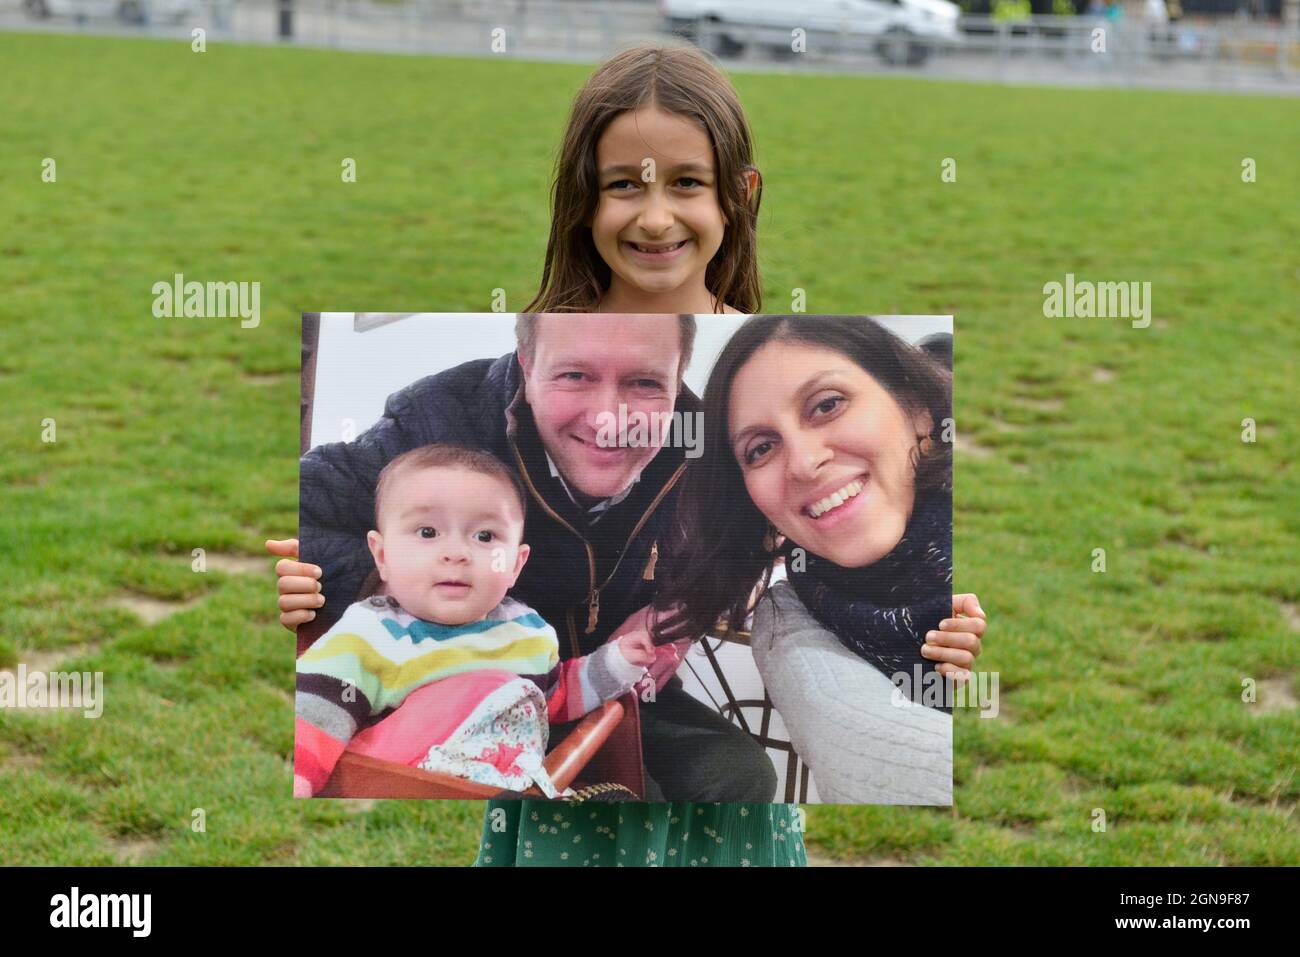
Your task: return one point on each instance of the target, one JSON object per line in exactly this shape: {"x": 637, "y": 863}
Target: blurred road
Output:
{"x": 587, "y": 38}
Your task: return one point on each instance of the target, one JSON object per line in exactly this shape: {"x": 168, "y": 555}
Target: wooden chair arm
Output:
{"x": 572, "y": 754}
{"x": 361, "y": 776}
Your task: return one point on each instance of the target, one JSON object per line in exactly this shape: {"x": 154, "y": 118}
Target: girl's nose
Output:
{"x": 656, "y": 216}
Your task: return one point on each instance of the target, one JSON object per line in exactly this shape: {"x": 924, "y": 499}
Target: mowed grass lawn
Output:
{"x": 1120, "y": 690}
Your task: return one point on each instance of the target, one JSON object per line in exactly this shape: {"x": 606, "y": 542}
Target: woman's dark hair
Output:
{"x": 718, "y": 548}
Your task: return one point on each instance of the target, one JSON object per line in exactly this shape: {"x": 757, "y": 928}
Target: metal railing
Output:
{"x": 1082, "y": 48}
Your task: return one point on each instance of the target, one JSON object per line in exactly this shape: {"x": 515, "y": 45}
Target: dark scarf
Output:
{"x": 883, "y": 611}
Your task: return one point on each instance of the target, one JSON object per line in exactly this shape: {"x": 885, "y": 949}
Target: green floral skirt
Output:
{"x": 635, "y": 834}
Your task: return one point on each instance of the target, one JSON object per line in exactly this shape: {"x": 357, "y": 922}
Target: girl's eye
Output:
{"x": 689, "y": 181}
{"x": 484, "y": 536}
{"x": 756, "y": 452}
{"x": 426, "y": 531}
{"x": 618, "y": 183}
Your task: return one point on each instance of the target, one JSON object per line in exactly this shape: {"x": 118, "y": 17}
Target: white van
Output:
{"x": 901, "y": 26}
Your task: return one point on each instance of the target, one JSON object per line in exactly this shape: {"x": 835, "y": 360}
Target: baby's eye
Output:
{"x": 485, "y": 536}
{"x": 426, "y": 531}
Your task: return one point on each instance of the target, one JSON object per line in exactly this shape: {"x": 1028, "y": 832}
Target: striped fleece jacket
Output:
{"x": 377, "y": 654}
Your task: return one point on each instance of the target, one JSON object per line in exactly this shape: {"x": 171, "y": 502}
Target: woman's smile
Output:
{"x": 837, "y": 503}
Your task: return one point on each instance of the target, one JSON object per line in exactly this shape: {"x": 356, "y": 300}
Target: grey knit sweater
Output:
{"x": 842, "y": 714}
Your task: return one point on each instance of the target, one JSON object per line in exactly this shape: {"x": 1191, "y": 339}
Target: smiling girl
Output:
{"x": 656, "y": 195}
{"x": 654, "y": 210}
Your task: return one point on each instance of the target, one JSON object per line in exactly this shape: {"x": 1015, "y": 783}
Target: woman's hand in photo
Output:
{"x": 956, "y": 644}
{"x": 299, "y": 584}
{"x": 637, "y": 648}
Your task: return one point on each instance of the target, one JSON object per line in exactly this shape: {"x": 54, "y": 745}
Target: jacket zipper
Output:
{"x": 654, "y": 548}
{"x": 592, "y": 607}
{"x": 649, "y": 574}
{"x": 593, "y": 594}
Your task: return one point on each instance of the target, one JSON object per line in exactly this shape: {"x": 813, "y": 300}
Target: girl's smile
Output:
{"x": 654, "y": 253}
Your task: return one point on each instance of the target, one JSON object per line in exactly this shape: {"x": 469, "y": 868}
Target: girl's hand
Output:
{"x": 957, "y": 642}
{"x": 299, "y": 584}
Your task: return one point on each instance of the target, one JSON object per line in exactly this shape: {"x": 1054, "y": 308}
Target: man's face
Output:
{"x": 585, "y": 367}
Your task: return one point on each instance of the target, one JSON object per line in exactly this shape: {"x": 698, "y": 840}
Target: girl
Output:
{"x": 655, "y": 210}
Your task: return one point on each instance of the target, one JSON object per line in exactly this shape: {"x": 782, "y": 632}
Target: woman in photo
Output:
{"x": 825, "y": 454}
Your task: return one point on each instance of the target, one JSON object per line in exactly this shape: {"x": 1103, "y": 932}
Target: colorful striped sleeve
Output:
{"x": 334, "y": 698}
{"x": 580, "y": 685}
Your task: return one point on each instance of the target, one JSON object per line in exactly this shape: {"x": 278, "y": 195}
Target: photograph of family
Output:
{"x": 628, "y": 558}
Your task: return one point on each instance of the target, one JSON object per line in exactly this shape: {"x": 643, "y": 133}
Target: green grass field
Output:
{"x": 1120, "y": 690}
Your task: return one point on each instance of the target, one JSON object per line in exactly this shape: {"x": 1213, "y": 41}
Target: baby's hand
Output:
{"x": 637, "y": 648}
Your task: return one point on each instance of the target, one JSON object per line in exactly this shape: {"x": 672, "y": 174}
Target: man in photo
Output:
{"x": 594, "y": 513}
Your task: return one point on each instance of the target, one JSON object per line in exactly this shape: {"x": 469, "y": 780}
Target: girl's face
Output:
{"x": 656, "y": 236}
{"x": 825, "y": 451}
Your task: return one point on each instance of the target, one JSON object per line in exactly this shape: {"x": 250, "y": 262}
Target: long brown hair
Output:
{"x": 719, "y": 548}
{"x": 679, "y": 79}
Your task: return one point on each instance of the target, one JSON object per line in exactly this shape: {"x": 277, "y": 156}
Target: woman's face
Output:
{"x": 660, "y": 235}
{"x": 825, "y": 451}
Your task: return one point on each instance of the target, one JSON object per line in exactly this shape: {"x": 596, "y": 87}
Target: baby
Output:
{"x": 483, "y": 669}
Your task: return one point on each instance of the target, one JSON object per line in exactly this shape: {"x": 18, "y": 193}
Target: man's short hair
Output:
{"x": 526, "y": 336}
{"x": 447, "y": 455}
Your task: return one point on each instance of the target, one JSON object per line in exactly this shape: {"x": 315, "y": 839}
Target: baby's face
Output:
{"x": 448, "y": 544}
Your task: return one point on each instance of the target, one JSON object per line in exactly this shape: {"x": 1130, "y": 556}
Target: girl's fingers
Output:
{"x": 955, "y": 639}
{"x": 290, "y": 585}
{"x": 292, "y": 619}
{"x": 302, "y": 569}
{"x": 958, "y": 656}
{"x": 967, "y": 604}
{"x": 298, "y": 602}
{"x": 958, "y": 675}
{"x": 974, "y": 626}
{"x": 286, "y": 547}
